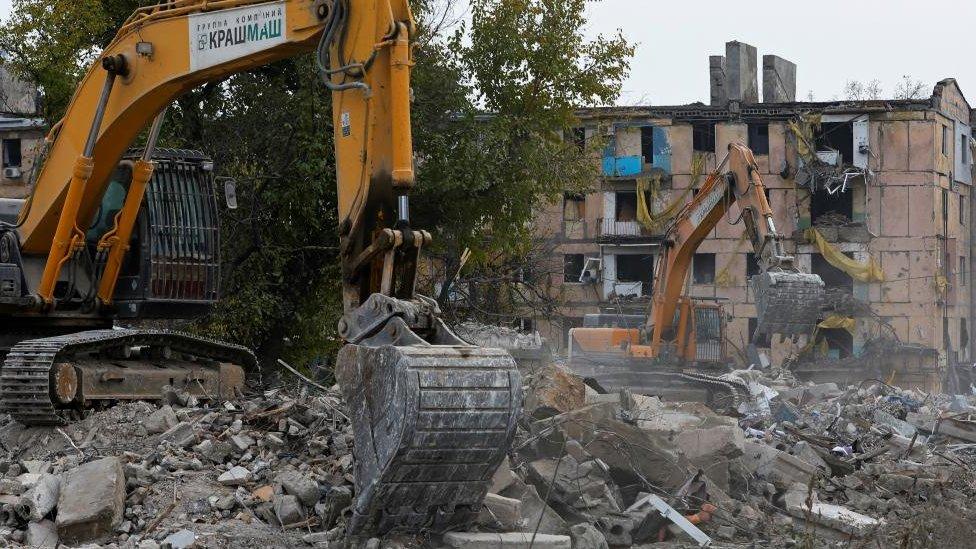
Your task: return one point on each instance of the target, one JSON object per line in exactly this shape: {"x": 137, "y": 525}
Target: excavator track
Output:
{"x": 661, "y": 379}
{"x": 26, "y": 379}
{"x": 736, "y": 389}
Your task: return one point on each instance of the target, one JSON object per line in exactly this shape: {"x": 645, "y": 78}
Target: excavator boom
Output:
{"x": 788, "y": 301}
{"x": 682, "y": 330}
{"x": 433, "y": 416}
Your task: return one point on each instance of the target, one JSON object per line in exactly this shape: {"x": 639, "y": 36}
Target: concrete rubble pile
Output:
{"x": 799, "y": 465}
{"x": 265, "y": 471}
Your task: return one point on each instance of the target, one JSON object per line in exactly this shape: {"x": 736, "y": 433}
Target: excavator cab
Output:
{"x": 173, "y": 264}
{"x": 172, "y": 268}
{"x": 708, "y": 331}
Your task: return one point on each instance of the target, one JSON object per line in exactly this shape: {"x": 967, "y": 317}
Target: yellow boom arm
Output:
{"x": 164, "y": 51}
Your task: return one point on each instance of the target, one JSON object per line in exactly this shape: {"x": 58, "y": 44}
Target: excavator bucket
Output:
{"x": 432, "y": 423}
{"x": 787, "y": 303}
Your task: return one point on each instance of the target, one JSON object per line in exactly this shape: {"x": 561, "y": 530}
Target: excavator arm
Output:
{"x": 788, "y": 301}
{"x": 164, "y": 51}
{"x": 433, "y": 416}
{"x": 159, "y": 54}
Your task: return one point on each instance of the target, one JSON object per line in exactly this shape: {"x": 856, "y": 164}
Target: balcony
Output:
{"x": 612, "y": 230}
{"x": 627, "y": 289}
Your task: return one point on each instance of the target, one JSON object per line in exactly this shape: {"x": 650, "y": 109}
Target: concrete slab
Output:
{"x": 481, "y": 540}
{"x": 92, "y": 501}
{"x": 828, "y": 515}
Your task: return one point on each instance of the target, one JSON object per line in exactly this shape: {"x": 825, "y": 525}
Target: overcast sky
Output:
{"x": 831, "y": 41}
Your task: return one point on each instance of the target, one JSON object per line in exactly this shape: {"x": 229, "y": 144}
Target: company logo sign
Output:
{"x": 706, "y": 206}
{"x": 227, "y": 35}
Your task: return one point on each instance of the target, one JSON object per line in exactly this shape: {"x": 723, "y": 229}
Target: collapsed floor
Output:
{"x": 800, "y": 465}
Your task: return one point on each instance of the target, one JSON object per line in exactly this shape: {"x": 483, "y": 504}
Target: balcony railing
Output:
{"x": 632, "y": 289}
{"x": 613, "y": 229}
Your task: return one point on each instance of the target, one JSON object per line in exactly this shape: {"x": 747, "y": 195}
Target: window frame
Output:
{"x": 709, "y": 131}
{"x": 6, "y": 161}
{"x": 751, "y": 128}
{"x": 575, "y": 278}
{"x": 576, "y": 199}
{"x": 647, "y": 147}
{"x": 695, "y": 269}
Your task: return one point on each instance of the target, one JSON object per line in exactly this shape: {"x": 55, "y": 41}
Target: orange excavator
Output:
{"x": 683, "y": 338}
{"x": 109, "y": 235}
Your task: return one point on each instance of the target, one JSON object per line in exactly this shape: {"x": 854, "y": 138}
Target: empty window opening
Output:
{"x": 626, "y": 206}
{"x": 838, "y": 136}
{"x": 636, "y": 268}
{"x": 945, "y": 140}
{"x": 752, "y": 265}
{"x": 703, "y": 136}
{"x": 840, "y": 342}
{"x": 964, "y": 337}
{"x": 764, "y": 341}
{"x": 964, "y": 148}
{"x": 526, "y": 325}
{"x": 832, "y": 276}
{"x": 574, "y": 207}
{"x": 962, "y": 209}
{"x": 759, "y": 137}
{"x": 11, "y": 153}
{"x": 963, "y": 270}
{"x": 572, "y": 267}
{"x": 840, "y": 204}
{"x": 647, "y": 144}
{"x": 703, "y": 269}
{"x": 579, "y": 138}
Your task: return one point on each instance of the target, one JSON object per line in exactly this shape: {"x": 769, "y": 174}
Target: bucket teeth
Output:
{"x": 431, "y": 425}
{"x": 787, "y": 303}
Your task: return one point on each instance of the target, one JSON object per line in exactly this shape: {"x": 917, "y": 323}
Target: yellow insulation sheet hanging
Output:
{"x": 803, "y": 130}
{"x": 653, "y": 221}
{"x": 724, "y": 278}
{"x": 866, "y": 271}
{"x": 838, "y": 321}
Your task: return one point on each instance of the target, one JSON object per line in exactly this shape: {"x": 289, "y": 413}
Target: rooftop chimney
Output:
{"x": 741, "y": 69}
{"x": 779, "y": 80}
{"x": 717, "y": 80}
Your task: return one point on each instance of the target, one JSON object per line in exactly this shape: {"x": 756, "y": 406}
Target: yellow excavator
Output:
{"x": 683, "y": 337}
{"x": 108, "y": 235}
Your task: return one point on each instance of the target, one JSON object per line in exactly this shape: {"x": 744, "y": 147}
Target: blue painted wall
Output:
{"x": 662, "y": 150}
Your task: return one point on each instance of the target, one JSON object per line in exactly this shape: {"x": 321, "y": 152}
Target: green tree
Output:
{"x": 494, "y": 100}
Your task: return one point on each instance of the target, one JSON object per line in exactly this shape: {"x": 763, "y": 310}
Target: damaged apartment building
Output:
{"x": 873, "y": 196}
{"x": 21, "y": 133}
